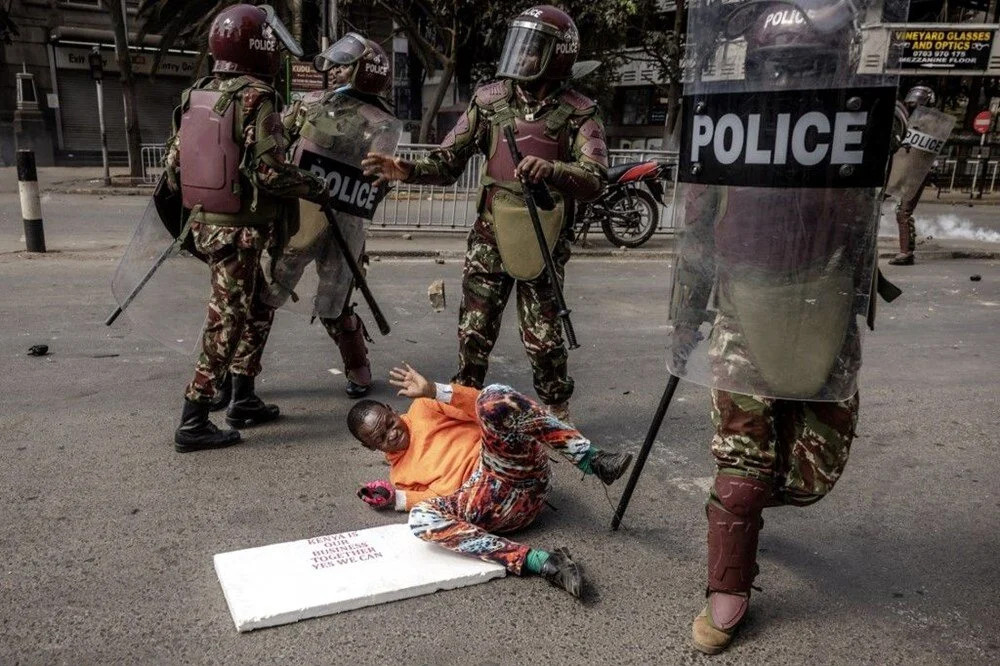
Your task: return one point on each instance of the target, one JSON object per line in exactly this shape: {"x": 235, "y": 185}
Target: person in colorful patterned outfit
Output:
{"x": 234, "y": 223}
{"x": 561, "y": 137}
{"x": 468, "y": 464}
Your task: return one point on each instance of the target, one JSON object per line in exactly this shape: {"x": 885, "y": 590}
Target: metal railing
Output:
{"x": 967, "y": 174}
{"x": 152, "y": 162}
{"x": 454, "y": 206}
{"x": 433, "y": 206}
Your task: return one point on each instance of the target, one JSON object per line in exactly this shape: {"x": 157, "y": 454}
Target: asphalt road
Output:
{"x": 108, "y": 535}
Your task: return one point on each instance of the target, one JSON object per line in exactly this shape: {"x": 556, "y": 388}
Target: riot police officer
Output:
{"x": 228, "y": 155}
{"x": 341, "y": 124}
{"x": 560, "y": 134}
{"x": 917, "y": 96}
{"x": 776, "y": 259}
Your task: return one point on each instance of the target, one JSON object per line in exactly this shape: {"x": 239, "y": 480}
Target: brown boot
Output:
{"x": 734, "y": 520}
{"x": 349, "y": 333}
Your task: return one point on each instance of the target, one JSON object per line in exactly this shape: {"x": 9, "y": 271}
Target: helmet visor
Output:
{"x": 281, "y": 32}
{"x": 345, "y": 51}
{"x": 525, "y": 53}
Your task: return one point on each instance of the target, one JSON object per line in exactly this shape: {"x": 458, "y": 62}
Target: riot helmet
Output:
{"x": 542, "y": 43}
{"x": 792, "y": 43}
{"x": 244, "y": 39}
{"x": 371, "y": 73}
{"x": 919, "y": 96}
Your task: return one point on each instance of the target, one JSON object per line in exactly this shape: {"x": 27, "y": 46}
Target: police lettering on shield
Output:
{"x": 350, "y": 191}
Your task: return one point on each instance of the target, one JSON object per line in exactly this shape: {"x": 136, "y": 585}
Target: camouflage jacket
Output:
{"x": 570, "y": 116}
{"x": 265, "y": 174}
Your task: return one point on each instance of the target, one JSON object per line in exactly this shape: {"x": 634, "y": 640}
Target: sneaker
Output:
{"x": 560, "y": 570}
{"x": 609, "y": 467}
{"x": 902, "y": 259}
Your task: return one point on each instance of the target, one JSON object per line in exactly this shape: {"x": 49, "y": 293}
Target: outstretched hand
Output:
{"x": 386, "y": 168}
{"x": 411, "y": 383}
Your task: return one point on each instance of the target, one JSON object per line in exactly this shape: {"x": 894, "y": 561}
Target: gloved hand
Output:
{"x": 378, "y": 494}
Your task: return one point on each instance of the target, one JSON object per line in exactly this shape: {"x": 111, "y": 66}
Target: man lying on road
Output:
{"x": 468, "y": 464}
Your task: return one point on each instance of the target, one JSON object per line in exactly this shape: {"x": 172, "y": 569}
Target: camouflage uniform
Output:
{"x": 797, "y": 447}
{"x": 238, "y": 322}
{"x": 580, "y": 173}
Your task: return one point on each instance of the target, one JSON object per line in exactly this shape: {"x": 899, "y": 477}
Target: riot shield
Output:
{"x": 784, "y": 148}
{"x": 161, "y": 287}
{"x": 926, "y": 133}
{"x": 338, "y": 132}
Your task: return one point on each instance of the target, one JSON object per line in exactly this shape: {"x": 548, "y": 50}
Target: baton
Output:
{"x": 529, "y": 198}
{"x": 359, "y": 277}
{"x": 640, "y": 462}
{"x": 142, "y": 283}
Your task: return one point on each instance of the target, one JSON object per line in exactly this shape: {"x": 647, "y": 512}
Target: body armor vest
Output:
{"x": 209, "y": 154}
{"x": 532, "y": 140}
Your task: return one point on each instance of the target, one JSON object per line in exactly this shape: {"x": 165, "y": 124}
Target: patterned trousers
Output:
{"x": 486, "y": 287}
{"x": 238, "y": 320}
{"x": 800, "y": 447}
{"x": 507, "y": 490}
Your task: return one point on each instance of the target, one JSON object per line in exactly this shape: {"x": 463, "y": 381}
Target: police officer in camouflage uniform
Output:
{"x": 345, "y": 120}
{"x": 779, "y": 273}
{"x": 234, "y": 181}
{"x": 560, "y": 134}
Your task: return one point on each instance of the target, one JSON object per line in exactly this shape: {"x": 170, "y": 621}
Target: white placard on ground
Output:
{"x": 287, "y": 582}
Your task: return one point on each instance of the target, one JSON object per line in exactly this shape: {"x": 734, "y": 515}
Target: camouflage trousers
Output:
{"x": 238, "y": 320}
{"x": 799, "y": 447}
{"x": 486, "y": 287}
{"x": 507, "y": 490}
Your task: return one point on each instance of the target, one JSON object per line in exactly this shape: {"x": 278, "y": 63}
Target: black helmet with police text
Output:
{"x": 919, "y": 96}
{"x": 789, "y": 41}
{"x": 245, "y": 39}
{"x": 542, "y": 43}
{"x": 371, "y": 74}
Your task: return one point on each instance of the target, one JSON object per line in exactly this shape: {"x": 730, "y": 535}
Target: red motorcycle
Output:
{"x": 629, "y": 208}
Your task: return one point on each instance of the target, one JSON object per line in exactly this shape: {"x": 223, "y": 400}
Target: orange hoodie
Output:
{"x": 445, "y": 441}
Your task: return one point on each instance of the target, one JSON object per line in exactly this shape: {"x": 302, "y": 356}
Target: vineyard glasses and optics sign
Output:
{"x": 944, "y": 49}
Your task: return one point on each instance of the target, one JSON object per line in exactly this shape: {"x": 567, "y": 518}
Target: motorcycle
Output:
{"x": 629, "y": 208}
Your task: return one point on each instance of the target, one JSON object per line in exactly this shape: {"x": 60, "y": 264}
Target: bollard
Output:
{"x": 31, "y": 207}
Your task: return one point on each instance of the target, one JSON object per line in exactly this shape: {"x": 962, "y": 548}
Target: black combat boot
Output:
{"x": 562, "y": 571}
{"x": 609, "y": 467}
{"x": 247, "y": 409}
{"x": 196, "y": 432}
{"x": 223, "y": 394}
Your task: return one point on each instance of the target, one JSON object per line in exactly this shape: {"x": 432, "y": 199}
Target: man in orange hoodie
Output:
{"x": 468, "y": 463}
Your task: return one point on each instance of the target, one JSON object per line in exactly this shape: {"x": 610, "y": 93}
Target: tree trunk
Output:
{"x": 674, "y": 90}
{"x": 446, "y": 76}
{"x": 132, "y": 133}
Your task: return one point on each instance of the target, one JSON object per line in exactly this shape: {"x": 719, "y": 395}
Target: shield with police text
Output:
{"x": 784, "y": 146}
{"x": 160, "y": 285}
{"x": 336, "y": 131}
{"x": 926, "y": 133}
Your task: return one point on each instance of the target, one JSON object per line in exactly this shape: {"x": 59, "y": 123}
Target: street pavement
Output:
{"x": 108, "y": 534}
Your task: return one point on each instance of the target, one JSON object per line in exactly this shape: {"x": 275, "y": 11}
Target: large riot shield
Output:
{"x": 783, "y": 151}
{"x": 161, "y": 286}
{"x": 338, "y": 131}
{"x": 926, "y": 133}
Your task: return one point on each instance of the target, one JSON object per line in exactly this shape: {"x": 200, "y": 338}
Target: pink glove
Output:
{"x": 378, "y": 494}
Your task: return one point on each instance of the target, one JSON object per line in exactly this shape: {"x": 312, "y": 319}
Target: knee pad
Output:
{"x": 741, "y": 495}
